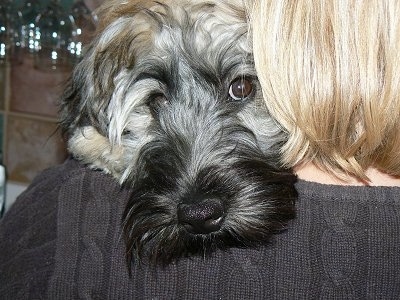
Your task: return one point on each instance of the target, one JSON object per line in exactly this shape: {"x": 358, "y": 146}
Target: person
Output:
{"x": 328, "y": 73}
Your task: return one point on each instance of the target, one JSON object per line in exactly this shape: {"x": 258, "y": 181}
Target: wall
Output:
{"x": 29, "y": 139}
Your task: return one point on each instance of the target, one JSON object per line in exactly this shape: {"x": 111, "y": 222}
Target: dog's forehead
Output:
{"x": 141, "y": 26}
{"x": 228, "y": 10}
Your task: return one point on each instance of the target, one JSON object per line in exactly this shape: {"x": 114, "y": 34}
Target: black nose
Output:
{"x": 203, "y": 216}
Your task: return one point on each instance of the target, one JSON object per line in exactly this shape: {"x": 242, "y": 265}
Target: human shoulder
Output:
{"x": 31, "y": 229}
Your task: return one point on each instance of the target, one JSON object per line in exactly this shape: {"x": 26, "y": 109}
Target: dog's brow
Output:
{"x": 156, "y": 75}
{"x": 146, "y": 75}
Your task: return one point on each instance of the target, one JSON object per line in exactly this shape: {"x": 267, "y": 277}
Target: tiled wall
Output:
{"x": 28, "y": 115}
{"x": 29, "y": 139}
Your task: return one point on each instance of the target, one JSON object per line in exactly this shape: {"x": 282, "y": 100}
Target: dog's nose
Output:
{"x": 201, "y": 217}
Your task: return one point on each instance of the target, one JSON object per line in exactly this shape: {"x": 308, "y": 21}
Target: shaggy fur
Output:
{"x": 167, "y": 101}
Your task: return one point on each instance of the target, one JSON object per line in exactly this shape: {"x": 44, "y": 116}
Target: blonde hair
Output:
{"x": 330, "y": 74}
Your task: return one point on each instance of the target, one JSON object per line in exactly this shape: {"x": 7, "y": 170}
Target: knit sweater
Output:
{"x": 62, "y": 240}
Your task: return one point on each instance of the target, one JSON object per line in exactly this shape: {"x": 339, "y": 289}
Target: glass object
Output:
{"x": 54, "y": 32}
{"x": 25, "y": 35}
{"x": 84, "y": 26}
{"x": 5, "y": 47}
{"x": 5, "y": 41}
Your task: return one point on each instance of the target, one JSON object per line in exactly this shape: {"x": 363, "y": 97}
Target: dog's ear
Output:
{"x": 113, "y": 49}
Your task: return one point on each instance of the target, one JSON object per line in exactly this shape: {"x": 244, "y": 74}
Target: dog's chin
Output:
{"x": 186, "y": 245}
{"x": 174, "y": 243}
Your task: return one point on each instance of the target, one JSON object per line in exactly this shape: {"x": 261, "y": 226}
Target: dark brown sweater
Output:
{"x": 62, "y": 240}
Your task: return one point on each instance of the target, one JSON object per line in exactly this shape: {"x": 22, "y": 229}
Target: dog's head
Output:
{"x": 166, "y": 99}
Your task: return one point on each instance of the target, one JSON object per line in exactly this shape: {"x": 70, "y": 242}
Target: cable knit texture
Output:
{"x": 62, "y": 240}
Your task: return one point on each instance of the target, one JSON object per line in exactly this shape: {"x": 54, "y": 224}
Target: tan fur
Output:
{"x": 92, "y": 148}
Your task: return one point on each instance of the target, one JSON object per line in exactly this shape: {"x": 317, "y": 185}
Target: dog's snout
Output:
{"x": 201, "y": 217}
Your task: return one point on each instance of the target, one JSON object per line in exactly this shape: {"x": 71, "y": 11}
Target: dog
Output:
{"x": 166, "y": 100}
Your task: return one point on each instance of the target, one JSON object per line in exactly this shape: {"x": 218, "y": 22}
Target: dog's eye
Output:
{"x": 240, "y": 88}
{"x": 161, "y": 100}
{"x": 158, "y": 102}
